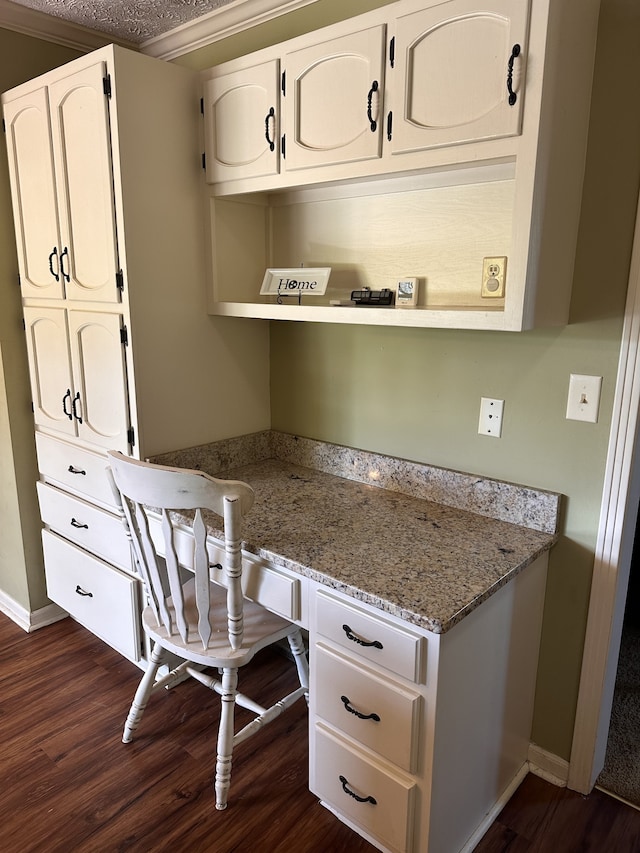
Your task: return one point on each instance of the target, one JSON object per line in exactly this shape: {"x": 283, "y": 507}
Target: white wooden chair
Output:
{"x": 203, "y": 623}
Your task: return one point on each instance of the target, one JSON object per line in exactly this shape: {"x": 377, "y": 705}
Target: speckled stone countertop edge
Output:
{"x": 537, "y": 509}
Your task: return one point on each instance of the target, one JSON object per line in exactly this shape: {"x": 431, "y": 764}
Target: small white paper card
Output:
{"x": 306, "y": 281}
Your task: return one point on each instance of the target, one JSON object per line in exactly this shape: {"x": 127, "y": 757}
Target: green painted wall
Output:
{"x": 21, "y": 570}
{"x": 415, "y": 393}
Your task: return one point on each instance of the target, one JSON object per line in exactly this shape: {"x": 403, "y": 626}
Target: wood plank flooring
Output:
{"x": 68, "y": 784}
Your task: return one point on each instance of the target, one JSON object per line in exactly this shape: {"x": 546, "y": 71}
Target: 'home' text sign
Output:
{"x": 296, "y": 282}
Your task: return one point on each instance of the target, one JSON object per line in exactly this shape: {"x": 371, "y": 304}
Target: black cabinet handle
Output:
{"x": 64, "y": 404}
{"x": 54, "y": 254}
{"x": 78, "y": 525}
{"x": 352, "y": 710}
{"x": 64, "y": 254}
{"x": 372, "y": 122}
{"x": 515, "y": 52}
{"x": 347, "y": 790}
{"x": 376, "y": 644}
{"x": 74, "y": 407}
{"x": 73, "y": 470}
{"x": 270, "y": 115}
{"x": 83, "y": 592}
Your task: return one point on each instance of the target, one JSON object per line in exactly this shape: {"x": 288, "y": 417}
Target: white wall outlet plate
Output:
{"x": 584, "y": 397}
{"x": 494, "y": 274}
{"x": 490, "y": 422}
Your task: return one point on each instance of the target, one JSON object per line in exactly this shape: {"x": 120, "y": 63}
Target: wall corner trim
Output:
{"x": 548, "y": 766}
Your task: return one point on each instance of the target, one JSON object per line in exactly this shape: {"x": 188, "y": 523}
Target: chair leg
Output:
{"x": 296, "y": 644}
{"x": 142, "y": 693}
{"x": 225, "y": 736}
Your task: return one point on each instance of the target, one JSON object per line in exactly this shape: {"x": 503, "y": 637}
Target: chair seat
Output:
{"x": 261, "y": 627}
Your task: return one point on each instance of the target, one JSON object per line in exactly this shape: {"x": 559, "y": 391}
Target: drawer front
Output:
{"x": 74, "y": 468}
{"x": 381, "y": 715}
{"x": 98, "y": 596}
{"x": 371, "y": 637}
{"x": 261, "y": 582}
{"x": 94, "y": 529}
{"x": 365, "y": 792}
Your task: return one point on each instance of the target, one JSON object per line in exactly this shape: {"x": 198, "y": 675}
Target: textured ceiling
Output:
{"x": 135, "y": 21}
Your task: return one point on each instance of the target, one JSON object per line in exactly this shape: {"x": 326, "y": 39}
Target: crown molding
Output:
{"x": 226, "y": 21}
{"x": 30, "y": 22}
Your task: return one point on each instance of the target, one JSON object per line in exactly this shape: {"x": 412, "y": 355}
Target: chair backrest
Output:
{"x": 141, "y": 488}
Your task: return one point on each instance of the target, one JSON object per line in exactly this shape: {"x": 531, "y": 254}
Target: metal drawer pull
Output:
{"x": 81, "y": 591}
{"x": 54, "y": 254}
{"x": 351, "y": 710}
{"x": 270, "y": 115}
{"x": 512, "y": 95}
{"x": 64, "y": 404}
{"x": 351, "y": 636}
{"x": 347, "y": 790}
{"x": 75, "y": 404}
{"x": 73, "y": 470}
{"x": 373, "y": 124}
{"x": 64, "y": 254}
{"x": 77, "y": 524}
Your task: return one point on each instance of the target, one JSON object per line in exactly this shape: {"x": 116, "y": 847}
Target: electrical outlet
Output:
{"x": 490, "y": 422}
{"x": 584, "y": 397}
{"x": 494, "y": 273}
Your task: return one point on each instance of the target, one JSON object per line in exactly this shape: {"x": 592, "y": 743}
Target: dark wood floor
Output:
{"x": 68, "y": 784}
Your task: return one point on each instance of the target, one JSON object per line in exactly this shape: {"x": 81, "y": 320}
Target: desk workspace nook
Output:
{"x": 423, "y": 606}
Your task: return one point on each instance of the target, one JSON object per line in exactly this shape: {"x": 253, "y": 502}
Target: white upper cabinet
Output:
{"x": 458, "y": 73}
{"x": 62, "y": 188}
{"x": 242, "y": 123}
{"x": 333, "y": 100}
{"x": 33, "y": 194}
{"x": 82, "y": 153}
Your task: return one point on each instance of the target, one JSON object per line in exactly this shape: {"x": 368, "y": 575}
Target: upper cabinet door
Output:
{"x": 33, "y": 195}
{"x": 82, "y": 155}
{"x": 334, "y": 100}
{"x": 50, "y": 368}
{"x": 242, "y": 127}
{"x": 100, "y": 403}
{"x": 458, "y": 73}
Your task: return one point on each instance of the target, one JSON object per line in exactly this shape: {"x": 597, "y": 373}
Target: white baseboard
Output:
{"x": 30, "y": 620}
{"x": 548, "y": 766}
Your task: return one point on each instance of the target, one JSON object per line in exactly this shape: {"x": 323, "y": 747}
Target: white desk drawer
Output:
{"x": 74, "y": 468}
{"x": 370, "y": 636}
{"x": 100, "y": 597}
{"x": 94, "y": 529}
{"x": 381, "y": 715}
{"x": 365, "y": 792}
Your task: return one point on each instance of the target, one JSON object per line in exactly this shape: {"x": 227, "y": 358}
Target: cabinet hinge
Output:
{"x": 4, "y": 127}
{"x": 389, "y": 125}
{"x": 283, "y": 82}
{"x": 283, "y": 145}
{"x": 392, "y": 51}
{"x": 24, "y": 325}
{"x": 202, "y": 106}
{"x": 124, "y": 336}
{"x": 204, "y": 160}
{"x": 106, "y": 85}
{"x": 131, "y": 436}
{"x": 120, "y": 280}
{"x": 19, "y": 280}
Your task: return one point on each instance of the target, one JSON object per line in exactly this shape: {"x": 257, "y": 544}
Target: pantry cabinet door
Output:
{"x": 82, "y": 155}
{"x": 50, "y": 368}
{"x": 100, "y": 402}
{"x": 334, "y": 94}
{"x": 242, "y": 126}
{"x": 35, "y": 215}
{"x": 458, "y": 73}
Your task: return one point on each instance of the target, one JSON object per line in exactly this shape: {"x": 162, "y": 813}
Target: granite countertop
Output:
{"x": 422, "y": 560}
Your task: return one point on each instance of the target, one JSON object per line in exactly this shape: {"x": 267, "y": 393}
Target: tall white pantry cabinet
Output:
{"x": 106, "y": 186}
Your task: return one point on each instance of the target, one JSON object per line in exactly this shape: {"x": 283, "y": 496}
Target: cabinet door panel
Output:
{"x": 33, "y": 194}
{"x": 50, "y": 368}
{"x": 82, "y": 151}
{"x": 451, "y": 68}
{"x": 241, "y": 123}
{"x": 333, "y": 103}
{"x": 99, "y": 378}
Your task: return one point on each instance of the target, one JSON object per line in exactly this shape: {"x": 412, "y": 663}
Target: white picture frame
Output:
{"x": 406, "y": 292}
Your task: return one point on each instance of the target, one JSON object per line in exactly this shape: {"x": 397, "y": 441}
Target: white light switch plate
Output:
{"x": 584, "y": 397}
